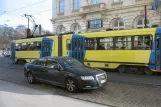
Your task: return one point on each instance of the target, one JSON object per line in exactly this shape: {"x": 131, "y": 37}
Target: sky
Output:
{"x": 12, "y": 11}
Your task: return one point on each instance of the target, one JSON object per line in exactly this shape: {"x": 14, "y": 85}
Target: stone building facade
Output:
{"x": 101, "y": 15}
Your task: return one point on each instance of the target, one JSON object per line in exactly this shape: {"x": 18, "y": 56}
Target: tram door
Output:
{"x": 78, "y": 47}
{"x": 46, "y": 47}
{"x": 158, "y": 51}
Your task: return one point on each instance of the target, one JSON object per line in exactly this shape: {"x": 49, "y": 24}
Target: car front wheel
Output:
{"x": 30, "y": 77}
{"x": 71, "y": 85}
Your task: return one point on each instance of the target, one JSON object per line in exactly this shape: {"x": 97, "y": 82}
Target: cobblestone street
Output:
{"x": 123, "y": 90}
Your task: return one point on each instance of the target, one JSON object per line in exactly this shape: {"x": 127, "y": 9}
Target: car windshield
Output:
{"x": 72, "y": 62}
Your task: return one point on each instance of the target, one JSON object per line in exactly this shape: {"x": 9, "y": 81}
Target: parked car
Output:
{"x": 1, "y": 54}
{"x": 7, "y": 54}
{"x": 66, "y": 72}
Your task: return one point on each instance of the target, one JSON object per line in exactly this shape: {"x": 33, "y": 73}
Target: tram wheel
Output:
{"x": 21, "y": 61}
{"x": 131, "y": 69}
{"x": 121, "y": 69}
{"x": 140, "y": 70}
{"x": 147, "y": 71}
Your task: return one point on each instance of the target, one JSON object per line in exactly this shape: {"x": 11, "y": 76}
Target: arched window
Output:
{"x": 60, "y": 29}
{"x": 75, "y": 28}
{"x": 140, "y": 23}
{"x": 118, "y": 24}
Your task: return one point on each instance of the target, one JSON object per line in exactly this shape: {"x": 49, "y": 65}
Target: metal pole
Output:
{"x": 28, "y": 29}
{"x": 160, "y": 19}
{"x": 145, "y": 14}
{"x": 28, "y": 23}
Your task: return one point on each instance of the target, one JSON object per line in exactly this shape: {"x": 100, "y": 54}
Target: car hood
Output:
{"x": 84, "y": 71}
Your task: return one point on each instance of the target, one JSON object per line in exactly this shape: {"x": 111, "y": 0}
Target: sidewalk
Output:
{"x": 13, "y": 95}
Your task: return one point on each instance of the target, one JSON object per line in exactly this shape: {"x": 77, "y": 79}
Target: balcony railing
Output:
{"x": 93, "y": 8}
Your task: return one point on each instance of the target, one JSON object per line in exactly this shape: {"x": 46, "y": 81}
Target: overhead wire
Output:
{"x": 70, "y": 4}
{"x": 41, "y": 11}
{"x": 26, "y": 6}
{"x": 58, "y": 7}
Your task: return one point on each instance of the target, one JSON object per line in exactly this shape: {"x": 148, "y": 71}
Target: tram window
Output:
{"x": 91, "y": 44}
{"x": 18, "y": 47}
{"x": 123, "y": 43}
{"x": 30, "y": 46}
{"x": 24, "y": 46}
{"x": 142, "y": 42}
{"x": 105, "y": 44}
{"x": 33, "y": 45}
{"x": 36, "y": 45}
{"x": 68, "y": 44}
{"x": 95, "y": 44}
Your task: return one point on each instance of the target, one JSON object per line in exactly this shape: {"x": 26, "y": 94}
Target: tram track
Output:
{"x": 136, "y": 82}
{"x": 11, "y": 67}
{"x": 122, "y": 89}
{"x": 114, "y": 77}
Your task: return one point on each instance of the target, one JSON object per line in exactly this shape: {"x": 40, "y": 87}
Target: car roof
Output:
{"x": 57, "y": 57}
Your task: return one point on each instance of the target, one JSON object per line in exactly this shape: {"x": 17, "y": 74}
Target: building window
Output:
{"x": 61, "y": 6}
{"x": 75, "y": 28}
{"x": 60, "y": 29}
{"x": 76, "y": 4}
{"x": 141, "y": 24}
{"x": 116, "y": 0}
{"x": 95, "y": 1}
{"x": 94, "y": 24}
{"x": 118, "y": 25}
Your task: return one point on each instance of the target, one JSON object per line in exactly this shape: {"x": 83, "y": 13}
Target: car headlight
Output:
{"x": 87, "y": 77}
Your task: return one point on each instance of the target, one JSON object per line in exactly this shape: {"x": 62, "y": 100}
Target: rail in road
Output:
{"x": 115, "y": 77}
{"x": 118, "y": 92}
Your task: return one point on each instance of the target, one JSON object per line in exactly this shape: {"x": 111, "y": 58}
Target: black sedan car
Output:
{"x": 66, "y": 72}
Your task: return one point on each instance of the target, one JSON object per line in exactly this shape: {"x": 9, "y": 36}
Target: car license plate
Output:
{"x": 103, "y": 81}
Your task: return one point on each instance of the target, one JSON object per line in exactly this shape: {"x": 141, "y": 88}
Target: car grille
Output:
{"x": 101, "y": 78}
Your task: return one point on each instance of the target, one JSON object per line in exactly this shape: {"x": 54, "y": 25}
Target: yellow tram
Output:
{"x": 124, "y": 50}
